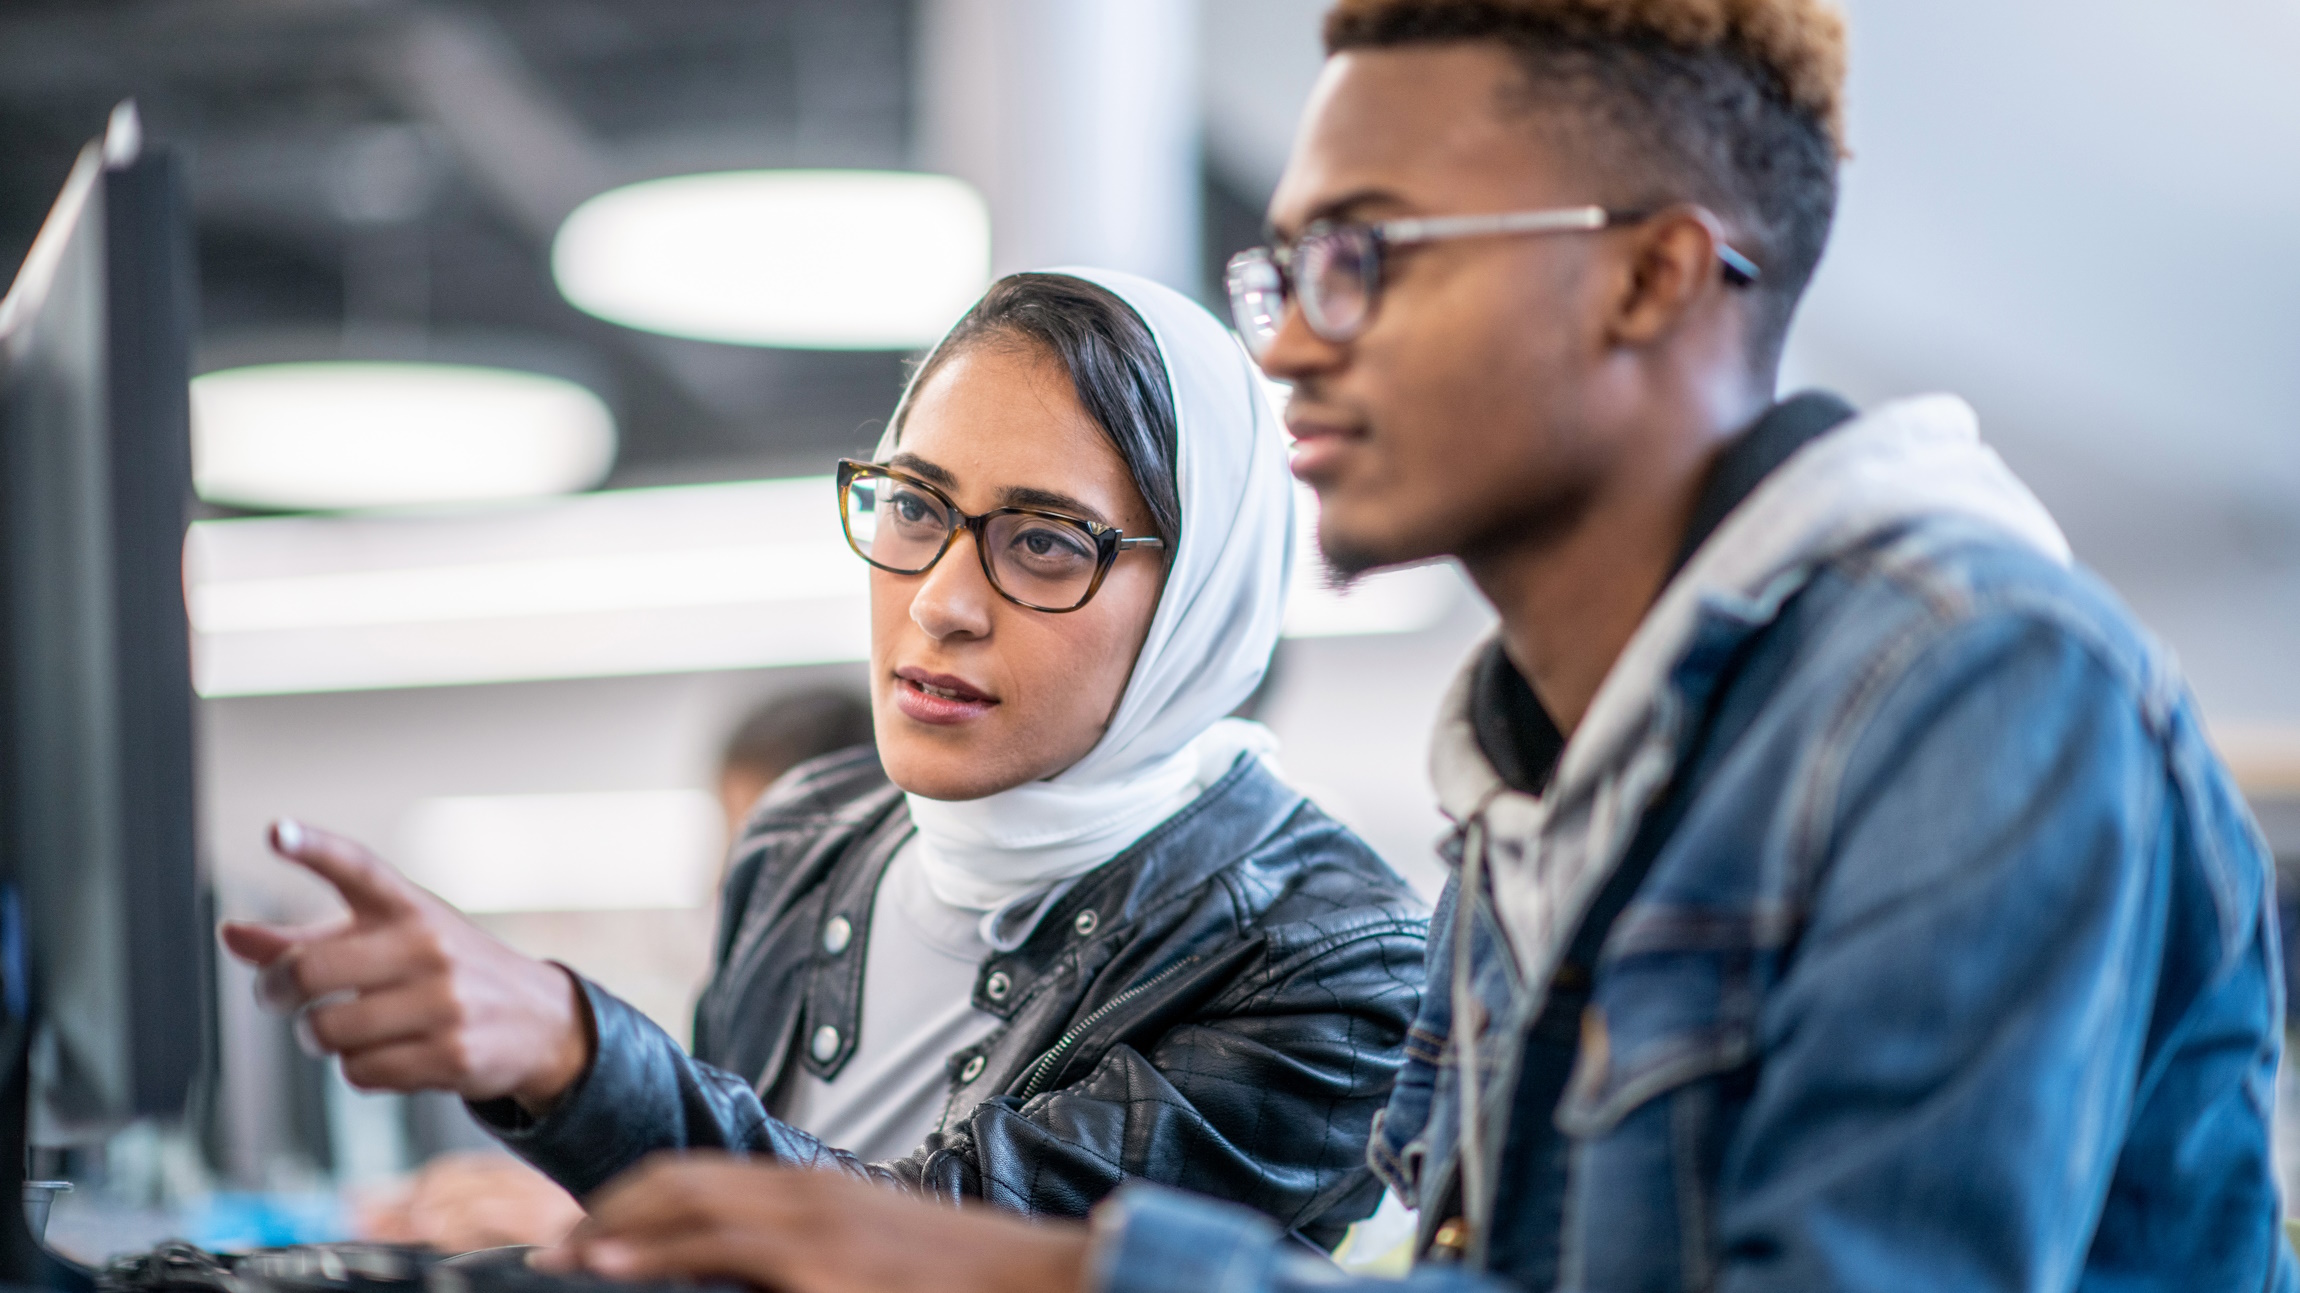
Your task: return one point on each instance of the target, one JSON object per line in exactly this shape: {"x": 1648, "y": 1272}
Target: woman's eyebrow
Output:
{"x": 1023, "y": 496}
{"x": 1012, "y": 496}
{"x": 918, "y": 466}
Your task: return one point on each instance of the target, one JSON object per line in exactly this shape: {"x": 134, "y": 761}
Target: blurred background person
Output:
{"x": 779, "y": 735}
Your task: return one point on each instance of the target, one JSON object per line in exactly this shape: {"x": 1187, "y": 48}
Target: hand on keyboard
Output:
{"x": 699, "y": 1216}
{"x": 459, "y": 1202}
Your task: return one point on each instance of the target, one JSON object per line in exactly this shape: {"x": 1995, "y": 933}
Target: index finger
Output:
{"x": 368, "y": 885}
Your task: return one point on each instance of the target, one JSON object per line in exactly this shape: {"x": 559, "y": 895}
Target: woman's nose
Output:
{"x": 953, "y": 598}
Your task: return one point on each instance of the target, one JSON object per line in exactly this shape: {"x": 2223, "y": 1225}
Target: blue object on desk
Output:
{"x": 240, "y": 1220}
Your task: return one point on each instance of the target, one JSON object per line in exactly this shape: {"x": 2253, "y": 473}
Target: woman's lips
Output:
{"x": 939, "y": 698}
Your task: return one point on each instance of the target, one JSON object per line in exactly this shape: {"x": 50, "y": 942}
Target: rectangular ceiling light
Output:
{"x": 608, "y": 851}
{"x": 640, "y": 581}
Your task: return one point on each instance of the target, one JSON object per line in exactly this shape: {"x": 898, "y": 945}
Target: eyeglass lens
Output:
{"x": 1257, "y": 297}
{"x": 1040, "y": 561}
{"x": 1334, "y": 273}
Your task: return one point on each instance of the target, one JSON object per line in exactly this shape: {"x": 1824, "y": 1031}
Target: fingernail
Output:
{"x": 607, "y": 1257}
{"x": 287, "y": 835}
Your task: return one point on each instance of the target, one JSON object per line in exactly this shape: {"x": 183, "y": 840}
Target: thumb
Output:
{"x": 258, "y": 945}
{"x": 369, "y": 886}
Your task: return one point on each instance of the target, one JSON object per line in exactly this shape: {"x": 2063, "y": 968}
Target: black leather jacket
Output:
{"x": 1221, "y": 1008}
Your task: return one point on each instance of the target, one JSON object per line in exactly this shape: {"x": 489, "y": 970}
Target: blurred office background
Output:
{"x": 513, "y": 497}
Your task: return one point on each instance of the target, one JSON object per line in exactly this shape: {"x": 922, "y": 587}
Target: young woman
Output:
{"x": 1067, "y": 927}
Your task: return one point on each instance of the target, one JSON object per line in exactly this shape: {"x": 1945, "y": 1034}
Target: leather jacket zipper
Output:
{"x": 1042, "y": 1071}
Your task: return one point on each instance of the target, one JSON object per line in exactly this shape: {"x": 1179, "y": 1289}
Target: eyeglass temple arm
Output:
{"x": 1739, "y": 269}
{"x": 1439, "y": 228}
{"x": 1146, "y": 541}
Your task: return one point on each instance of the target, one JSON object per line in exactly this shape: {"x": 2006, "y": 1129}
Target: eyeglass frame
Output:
{"x": 1410, "y": 231}
{"x": 1109, "y": 540}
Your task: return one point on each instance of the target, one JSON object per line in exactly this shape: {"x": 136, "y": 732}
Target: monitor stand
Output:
{"x": 24, "y": 1262}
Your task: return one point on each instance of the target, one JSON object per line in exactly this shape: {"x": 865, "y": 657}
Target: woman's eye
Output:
{"x": 1049, "y": 547}
{"x": 910, "y": 509}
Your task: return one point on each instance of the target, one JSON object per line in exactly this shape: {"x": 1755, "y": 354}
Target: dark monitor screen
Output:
{"x": 102, "y": 952}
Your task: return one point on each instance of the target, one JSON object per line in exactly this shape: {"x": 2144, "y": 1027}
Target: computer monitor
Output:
{"x": 103, "y": 956}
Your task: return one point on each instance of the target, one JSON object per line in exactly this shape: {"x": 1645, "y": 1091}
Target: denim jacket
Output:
{"x": 1955, "y": 966}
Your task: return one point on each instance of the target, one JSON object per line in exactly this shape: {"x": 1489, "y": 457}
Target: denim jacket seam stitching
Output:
{"x": 1885, "y": 670}
{"x": 1820, "y": 793}
{"x": 1717, "y": 1048}
{"x": 1892, "y": 667}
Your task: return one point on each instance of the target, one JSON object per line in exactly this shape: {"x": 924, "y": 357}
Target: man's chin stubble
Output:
{"x": 1342, "y": 562}
{"x": 1345, "y": 559}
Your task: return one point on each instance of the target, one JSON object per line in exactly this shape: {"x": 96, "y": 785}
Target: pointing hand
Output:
{"x": 409, "y": 992}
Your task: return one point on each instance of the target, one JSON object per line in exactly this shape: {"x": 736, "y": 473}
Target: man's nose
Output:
{"x": 1296, "y": 351}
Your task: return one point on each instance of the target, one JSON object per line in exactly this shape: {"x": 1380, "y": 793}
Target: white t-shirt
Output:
{"x": 917, "y": 1010}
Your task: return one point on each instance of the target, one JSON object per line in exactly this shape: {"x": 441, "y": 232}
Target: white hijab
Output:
{"x": 1209, "y": 643}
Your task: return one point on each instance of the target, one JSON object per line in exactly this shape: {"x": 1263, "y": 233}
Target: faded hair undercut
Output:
{"x": 1733, "y": 104}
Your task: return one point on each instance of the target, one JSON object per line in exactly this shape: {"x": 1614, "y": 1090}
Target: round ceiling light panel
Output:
{"x": 811, "y": 260}
{"x": 354, "y": 435}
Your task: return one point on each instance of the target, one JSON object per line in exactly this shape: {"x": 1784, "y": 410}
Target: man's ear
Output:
{"x": 1672, "y": 266}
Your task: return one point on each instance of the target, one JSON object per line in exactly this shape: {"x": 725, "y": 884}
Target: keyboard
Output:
{"x": 355, "y": 1268}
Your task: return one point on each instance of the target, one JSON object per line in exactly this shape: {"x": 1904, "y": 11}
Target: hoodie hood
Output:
{"x": 1914, "y": 461}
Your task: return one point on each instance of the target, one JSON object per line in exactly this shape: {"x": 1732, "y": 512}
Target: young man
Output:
{"x": 1847, "y": 894}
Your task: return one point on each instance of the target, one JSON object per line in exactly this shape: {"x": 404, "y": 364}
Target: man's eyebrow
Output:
{"x": 918, "y": 466}
{"x": 1339, "y": 208}
{"x": 1050, "y": 500}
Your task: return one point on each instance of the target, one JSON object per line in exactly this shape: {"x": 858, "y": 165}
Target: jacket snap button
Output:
{"x": 837, "y": 934}
{"x": 1085, "y": 923}
{"x": 996, "y": 986}
{"x": 825, "y": 1045}
{"x": 972, "y": 1070}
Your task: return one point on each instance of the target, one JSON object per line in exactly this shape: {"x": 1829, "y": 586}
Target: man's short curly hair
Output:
{"x": 1735, "y": 104}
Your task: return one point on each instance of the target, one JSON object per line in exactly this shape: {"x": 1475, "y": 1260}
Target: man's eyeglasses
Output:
{"x": 1041, "y": 560}
{"x": 1334, "y": 270}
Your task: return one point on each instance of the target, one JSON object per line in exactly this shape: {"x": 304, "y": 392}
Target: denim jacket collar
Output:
{"x": 1547, "y": 854}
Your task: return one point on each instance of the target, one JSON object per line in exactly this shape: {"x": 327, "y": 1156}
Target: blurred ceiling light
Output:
{"x": 339, "y": 436}
{"x": 682, "y": 578}
{"x": 601, "y": 851}
{"x": 815, "y": 260}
